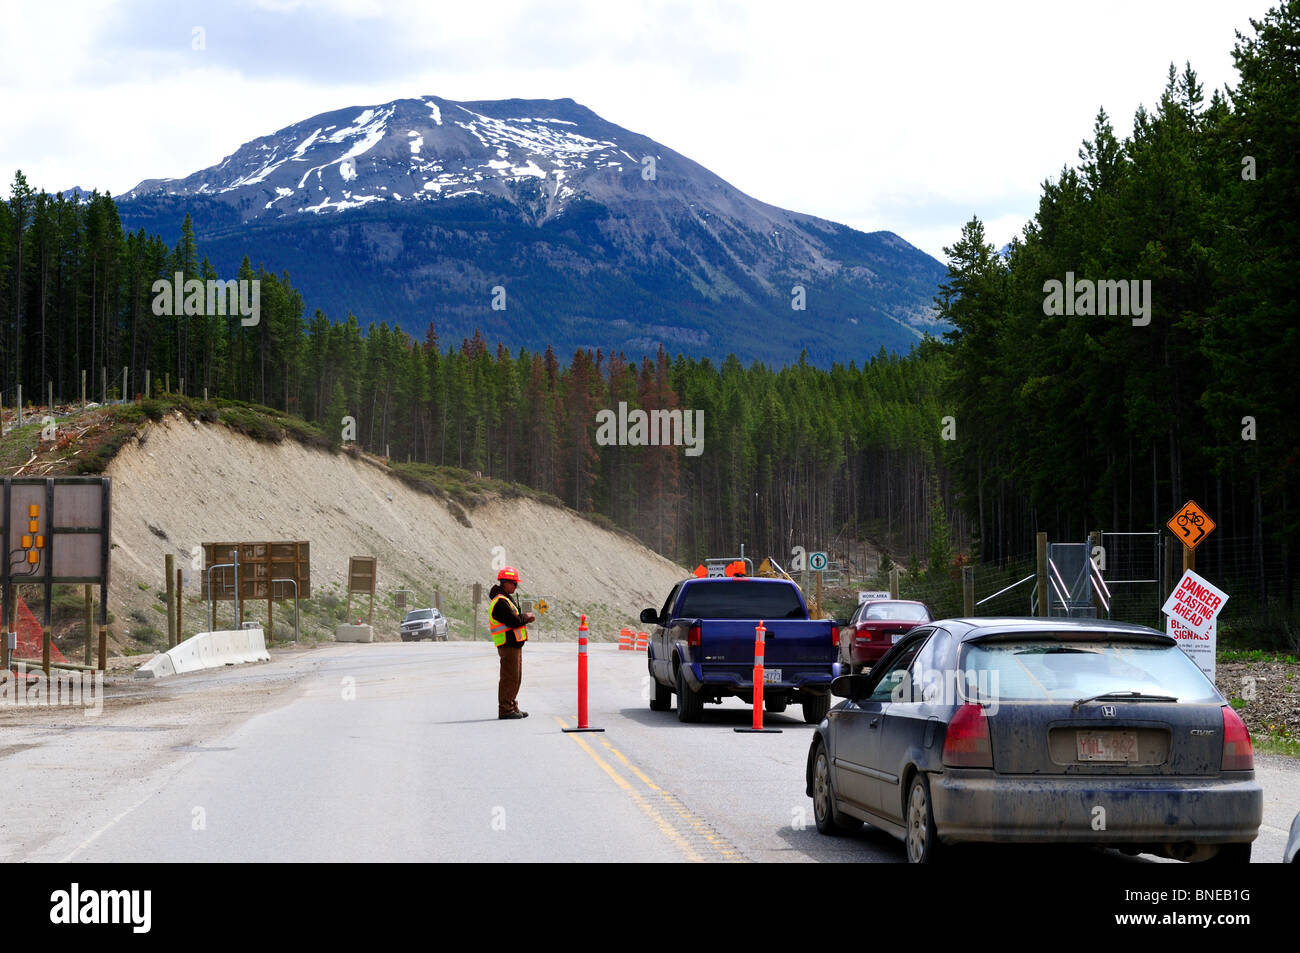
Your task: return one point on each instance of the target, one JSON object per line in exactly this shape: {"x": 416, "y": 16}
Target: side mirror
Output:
{"x": 650, "y": 616}
{"x": 850, "y": 686}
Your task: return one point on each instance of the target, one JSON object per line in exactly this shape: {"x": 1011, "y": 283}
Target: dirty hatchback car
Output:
{"x": 1014, "y": 730}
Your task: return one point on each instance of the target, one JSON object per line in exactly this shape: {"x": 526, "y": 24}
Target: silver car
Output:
{"x": 1054, "y": 730}
{"x": 424, "y": 624}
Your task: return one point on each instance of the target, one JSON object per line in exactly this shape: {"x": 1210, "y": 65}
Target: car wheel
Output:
{"x": 815, "y": 708}
{"x": 661, "y": 696}
{"x": 775, "y": 705}
{"x": 1230, "y": 855}
{"x": 923, "y": 846}
{"x": 828, "y": 821}
{"x": 690, "y": 705}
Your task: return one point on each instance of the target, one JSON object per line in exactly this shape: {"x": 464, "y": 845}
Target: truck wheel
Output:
{"x": 828, "y": 821}
{"x": 690, "y": 705}
{"x": 815, "y": 708}
{"x": 775, "y": 705}
{"x": 661, "y": 697}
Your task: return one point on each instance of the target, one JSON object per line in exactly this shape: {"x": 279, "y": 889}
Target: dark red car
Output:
{"x": 875, "y": 627}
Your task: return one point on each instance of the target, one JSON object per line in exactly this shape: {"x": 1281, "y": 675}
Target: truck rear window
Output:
{"x": 738, "y": 599}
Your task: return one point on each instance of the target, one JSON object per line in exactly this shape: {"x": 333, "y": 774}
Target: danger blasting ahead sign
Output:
{"x": 1192, "y": 609}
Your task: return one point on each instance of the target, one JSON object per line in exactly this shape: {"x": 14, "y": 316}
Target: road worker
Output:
{"x": 509, "y": 628}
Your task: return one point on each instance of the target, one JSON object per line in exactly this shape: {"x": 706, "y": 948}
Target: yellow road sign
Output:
{"x": 542, "y": 607}
{"x": 1191, "y": 524}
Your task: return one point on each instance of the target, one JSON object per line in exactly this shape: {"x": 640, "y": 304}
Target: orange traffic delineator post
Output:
{"x": 625, "y": 637}
{"x": 759, "y": 631}
{"x": 642, "y": 641}
{"x": 582, "y": 680}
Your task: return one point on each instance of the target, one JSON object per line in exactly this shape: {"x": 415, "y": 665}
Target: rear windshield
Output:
{"x": 738, "y": 599}
{"x": 1043, "y": 670}
{"x": 895, "y": 611}
{"x": 419, "y": 614}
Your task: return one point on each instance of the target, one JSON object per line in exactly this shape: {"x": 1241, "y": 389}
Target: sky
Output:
{"x": 910, "y": 117}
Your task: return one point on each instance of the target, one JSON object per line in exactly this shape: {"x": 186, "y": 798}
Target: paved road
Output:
{"x": 393, "y": 751}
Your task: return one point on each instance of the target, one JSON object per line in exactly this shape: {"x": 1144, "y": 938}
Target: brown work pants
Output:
{"x": 512, "y": 673}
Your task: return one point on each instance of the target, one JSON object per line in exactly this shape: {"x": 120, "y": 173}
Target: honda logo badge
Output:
{"x": 1108, "y": 711}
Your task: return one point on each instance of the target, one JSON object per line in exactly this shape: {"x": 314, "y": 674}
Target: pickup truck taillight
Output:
{"x": 1238, "y": 755}
{"x": 835, "y": 635}
{"x": 693, "y": 637}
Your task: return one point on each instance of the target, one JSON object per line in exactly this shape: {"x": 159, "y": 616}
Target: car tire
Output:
{"x": 690, "y": 705}
{"x": 828, "y": 820}
{"x": 815, "y": 708}
{"x": 1230, "y": 855}
{"x": 922, "y": 840}
{"x": 661, "y": 696}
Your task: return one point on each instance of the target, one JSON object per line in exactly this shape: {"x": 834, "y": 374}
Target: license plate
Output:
{"x": 771, "y": 675}
{"x": 1107, "y": 745}
{"x": 895, "y": 636}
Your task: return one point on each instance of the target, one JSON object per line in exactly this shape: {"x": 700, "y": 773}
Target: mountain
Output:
{"x": 419, "y": 209}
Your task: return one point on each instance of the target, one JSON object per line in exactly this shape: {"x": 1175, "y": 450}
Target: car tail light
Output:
{"x": 693, "y": 637}
{"x": 1238, "y": 755}
{"x": 967, "y": 744}
{"x": 835, "y": 635}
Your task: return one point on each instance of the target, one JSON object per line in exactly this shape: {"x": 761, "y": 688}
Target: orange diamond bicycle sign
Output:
{"x": 1191, "y": 524}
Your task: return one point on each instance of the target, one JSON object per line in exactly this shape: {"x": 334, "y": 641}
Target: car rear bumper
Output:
{"x": 982, "y": 806}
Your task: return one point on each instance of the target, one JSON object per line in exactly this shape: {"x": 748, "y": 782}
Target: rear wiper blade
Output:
{"x": 1126, "y": 696}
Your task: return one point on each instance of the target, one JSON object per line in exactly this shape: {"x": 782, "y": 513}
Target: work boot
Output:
{"x": 512, "y": 715}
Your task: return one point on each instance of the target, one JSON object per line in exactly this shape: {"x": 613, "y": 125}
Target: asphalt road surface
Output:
{"x": 393, "y": 752}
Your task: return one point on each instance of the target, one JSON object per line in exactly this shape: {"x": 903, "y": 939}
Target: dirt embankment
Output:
{"x": 184, "y": 483}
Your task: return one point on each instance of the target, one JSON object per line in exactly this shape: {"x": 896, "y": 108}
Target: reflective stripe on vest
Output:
{"x": 499, "y": 629}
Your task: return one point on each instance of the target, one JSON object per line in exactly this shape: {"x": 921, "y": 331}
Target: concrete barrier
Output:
{"x": 346, "y": 632}
{"x": 208, "y": 650}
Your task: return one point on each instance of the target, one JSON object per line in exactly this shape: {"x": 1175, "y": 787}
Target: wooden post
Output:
{"x": 893, "y": 582}
{"x": 45, "y": 652}
{"x": 1094, "y": 540}
{"x": 4, "y": 636}
{"x": 1044, "y": 607}
{"x": 968, "y": 590}
{"x": 90, "y": 622}
{"x": 180, "y": 607}
{"x": 103, "y": 646}
{"x": 270, "y": 617}
{"x": 169, "y": 573}
{"x": 1189, "y": 558}
{"x": 819, "y": 595}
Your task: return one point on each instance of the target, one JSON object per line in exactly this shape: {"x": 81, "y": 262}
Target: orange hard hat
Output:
{"x": 508, "y": 573}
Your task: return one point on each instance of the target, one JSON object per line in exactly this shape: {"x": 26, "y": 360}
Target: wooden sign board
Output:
{"x": 259, "y": 564}
{"x": 361, "y": 574}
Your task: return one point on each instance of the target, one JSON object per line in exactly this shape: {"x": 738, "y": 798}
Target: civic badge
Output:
{"x": 1108, "y": 711}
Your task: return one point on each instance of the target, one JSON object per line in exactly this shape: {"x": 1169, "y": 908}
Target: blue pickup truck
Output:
{"x": 702, "y": 648}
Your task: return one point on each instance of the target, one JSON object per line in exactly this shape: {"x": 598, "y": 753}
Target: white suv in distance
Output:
{"x": 424, "y": 624}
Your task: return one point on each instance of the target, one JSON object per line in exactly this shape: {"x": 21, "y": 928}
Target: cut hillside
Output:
{"x": 180, "y": 482}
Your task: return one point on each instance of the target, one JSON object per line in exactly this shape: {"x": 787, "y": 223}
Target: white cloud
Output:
{"x": 878, "y": 115}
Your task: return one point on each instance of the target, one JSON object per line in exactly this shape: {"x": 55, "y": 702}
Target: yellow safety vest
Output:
{"x": 499, "y": 629}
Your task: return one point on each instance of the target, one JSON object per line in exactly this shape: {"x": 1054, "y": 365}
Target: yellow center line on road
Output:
{"x": 715, "y": 840}
{"x": 639, "y": 799}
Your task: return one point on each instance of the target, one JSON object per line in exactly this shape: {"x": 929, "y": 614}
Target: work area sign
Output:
{"x": 1200, "y": 647}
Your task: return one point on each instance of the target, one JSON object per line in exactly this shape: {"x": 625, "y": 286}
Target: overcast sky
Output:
{"x": 902, "y": 116}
